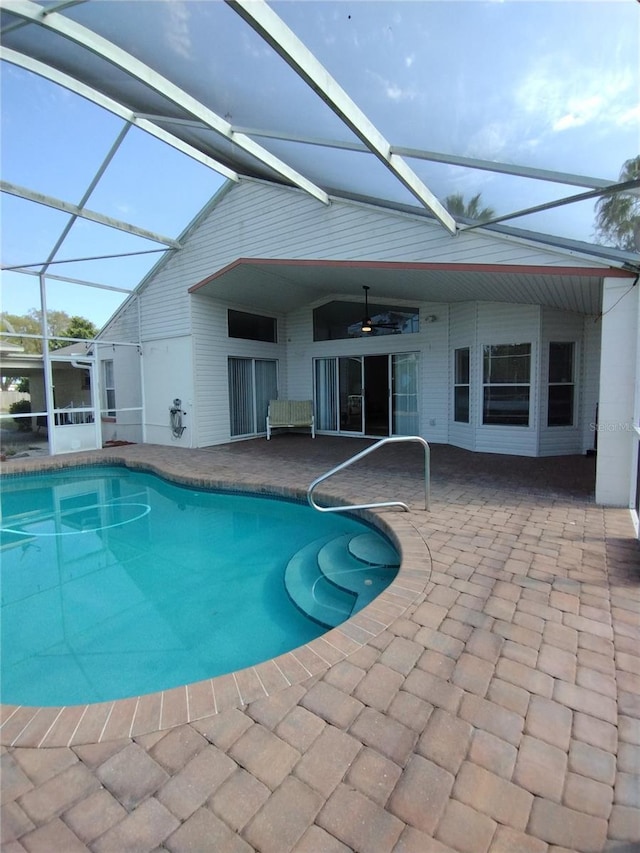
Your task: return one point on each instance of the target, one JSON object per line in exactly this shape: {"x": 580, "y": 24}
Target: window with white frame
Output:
{"x": 252, "y": 327}
{"x": 506, "y": 384}
{"x": 109, "y": 388}
{"x": 561, "y": 392}
{"x": 461, "y": 385}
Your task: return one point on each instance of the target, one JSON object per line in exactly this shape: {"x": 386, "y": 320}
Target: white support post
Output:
{"x": 617, "y": 437}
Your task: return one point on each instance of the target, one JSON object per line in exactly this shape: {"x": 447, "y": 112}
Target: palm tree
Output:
{"x": 618, "y": 216}
{"x": 457, "y": 206}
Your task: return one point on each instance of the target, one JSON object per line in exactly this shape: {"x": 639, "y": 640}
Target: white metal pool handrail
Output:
{"x": 361, "y": 455}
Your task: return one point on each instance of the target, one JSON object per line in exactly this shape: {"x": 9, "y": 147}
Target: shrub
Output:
{"x": 21, "y": 407}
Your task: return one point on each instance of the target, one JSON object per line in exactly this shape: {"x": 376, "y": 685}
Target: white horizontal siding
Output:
{"x": 210, "y": 369}
{"x": 212, "y": 348}
{"x": 124, "y": 324}
{"x": 434, "y": 373}
{"x": 298, "y": 383}
{"x": 263, "y": 221}
{"x": 164, "y": 299}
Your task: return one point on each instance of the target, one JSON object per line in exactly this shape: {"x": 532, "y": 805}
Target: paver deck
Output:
{"x": 489, "y": 703}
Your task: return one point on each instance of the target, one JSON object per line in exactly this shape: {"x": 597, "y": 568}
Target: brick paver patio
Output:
{"x": 495, "y": 707}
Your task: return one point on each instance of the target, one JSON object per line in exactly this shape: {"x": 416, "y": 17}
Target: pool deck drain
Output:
{"x": 489, "y": 702}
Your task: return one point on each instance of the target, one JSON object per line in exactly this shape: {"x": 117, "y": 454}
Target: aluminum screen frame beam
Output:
{"x": 516, "y": 170}
{"x": 286, "y": 44}
{"x": 612, "y": 189}
{"x": 82, "y": 213}
{"x": 134, "y": 68}
{"x": 115, "y": 107}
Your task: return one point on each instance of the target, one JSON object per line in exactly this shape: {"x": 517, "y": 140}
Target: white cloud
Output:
{"x": 177, "y": 31}
{"x": 581, "y": 111}
{"x": 559, "y": 97}
{"x": 397, "y": 93}
{"x": 490, "y": 141}
{"x": 631, "y": 116}
{"x": 391, "y": 90}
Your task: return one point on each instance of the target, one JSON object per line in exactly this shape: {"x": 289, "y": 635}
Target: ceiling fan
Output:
{"x": 368, "y": 326}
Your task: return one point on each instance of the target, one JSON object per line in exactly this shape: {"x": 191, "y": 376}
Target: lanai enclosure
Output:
{"x": 323, "y": 262}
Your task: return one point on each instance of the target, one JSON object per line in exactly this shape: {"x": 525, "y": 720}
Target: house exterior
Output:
{"x": 490, "y": 341}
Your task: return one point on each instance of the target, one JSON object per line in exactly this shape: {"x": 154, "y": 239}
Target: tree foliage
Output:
{"x": 618, "y": 216}
{"x": 59, "y": 325}
{"x": 472, "y": 209}
{"x": 76, "y": 327}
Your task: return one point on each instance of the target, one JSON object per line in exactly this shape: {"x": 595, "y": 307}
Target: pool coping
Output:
{"x": 74, "y": 725}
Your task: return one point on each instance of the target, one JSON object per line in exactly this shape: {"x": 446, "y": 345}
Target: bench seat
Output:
{"x": 290, "y": 414}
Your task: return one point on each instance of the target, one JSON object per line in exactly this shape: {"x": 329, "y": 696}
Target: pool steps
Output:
{"x": 332, "y": 578}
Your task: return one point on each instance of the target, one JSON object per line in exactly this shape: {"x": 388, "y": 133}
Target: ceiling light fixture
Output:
{"x": 366, "y": 326}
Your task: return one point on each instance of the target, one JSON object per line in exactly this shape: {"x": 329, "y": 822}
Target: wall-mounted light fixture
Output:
{"x": 430, "y": 318}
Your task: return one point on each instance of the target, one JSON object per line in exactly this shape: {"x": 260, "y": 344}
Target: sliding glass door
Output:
{"x": 404, "y": 396}
{"x": 373, "y": 395}
{"x": 252, "y": 383}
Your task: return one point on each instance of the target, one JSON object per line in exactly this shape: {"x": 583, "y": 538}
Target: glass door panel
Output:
{"x": 376, "y": 395}
{"x": 252, "y": 383}
{"x": 326, "y": 376}
{"x": 241, "y": 410}
{"x": 351, "y": 387}
{"x": 404, "y": 394}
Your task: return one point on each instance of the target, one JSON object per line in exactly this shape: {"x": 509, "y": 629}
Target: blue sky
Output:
{"x": 553, "y": 84}
{"x": 54, "y": 141}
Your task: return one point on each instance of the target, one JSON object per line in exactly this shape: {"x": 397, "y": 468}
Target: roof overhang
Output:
{"x": 281, "y": 285}
{"x": 12, "y": 361}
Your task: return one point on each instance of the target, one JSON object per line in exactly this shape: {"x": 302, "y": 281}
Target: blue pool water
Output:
{"x": 117, "y": 583}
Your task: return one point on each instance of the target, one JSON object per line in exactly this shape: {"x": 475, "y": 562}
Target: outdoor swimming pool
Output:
{"x": 117, "y": 583}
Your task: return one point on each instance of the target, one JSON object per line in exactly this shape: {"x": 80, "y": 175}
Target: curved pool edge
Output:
{"x": 75, "y": 725}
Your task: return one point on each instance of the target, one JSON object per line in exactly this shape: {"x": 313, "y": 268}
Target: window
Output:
{"x": 252, "y": 327}
{"x": 506, "y": 384}
{"x": 336, "y": 321}
{"x": 109, "y": 388}
{"x": 561, "y": 384}
{"x": 461, "y": 386}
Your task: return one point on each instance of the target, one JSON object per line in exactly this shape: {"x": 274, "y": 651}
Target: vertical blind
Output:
{"x": 326, "y": 415}
{"x": 252, "y": 383}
